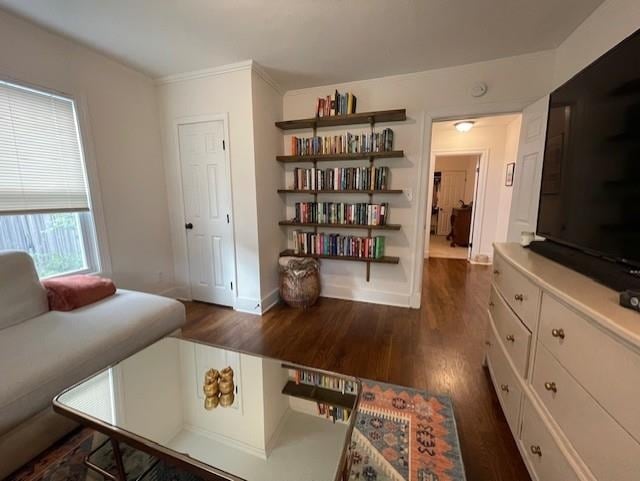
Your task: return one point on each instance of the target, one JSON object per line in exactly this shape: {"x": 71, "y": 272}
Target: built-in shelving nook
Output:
{"x": 370, "y": 118}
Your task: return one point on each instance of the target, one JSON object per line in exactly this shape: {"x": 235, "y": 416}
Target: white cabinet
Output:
{"x": 575, "y": 358}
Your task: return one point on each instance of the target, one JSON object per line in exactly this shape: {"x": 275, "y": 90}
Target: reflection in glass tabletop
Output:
{"x": 220, "y": 413}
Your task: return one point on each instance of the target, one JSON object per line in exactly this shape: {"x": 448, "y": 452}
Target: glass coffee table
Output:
{"x": 219, "y": 414}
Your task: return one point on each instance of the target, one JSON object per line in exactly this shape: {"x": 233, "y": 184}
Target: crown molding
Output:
{"x": 251, "y": 65}
{"x": 207, "y": 72}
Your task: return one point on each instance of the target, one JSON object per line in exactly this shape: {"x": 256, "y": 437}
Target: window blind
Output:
{"x": 41, "y": 165}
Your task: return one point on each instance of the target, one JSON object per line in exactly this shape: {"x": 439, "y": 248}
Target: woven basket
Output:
{"x": 299, "y": 281}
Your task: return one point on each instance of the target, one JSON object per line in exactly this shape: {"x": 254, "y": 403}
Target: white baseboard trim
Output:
{"x": 270, "y": 300}
{"x": 248, "y": 305}
{"x": 366, "y": 295}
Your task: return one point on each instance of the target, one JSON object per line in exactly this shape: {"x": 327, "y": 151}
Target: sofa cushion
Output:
{"x": 44, "y": 355}
{"x": 22, "y": 296}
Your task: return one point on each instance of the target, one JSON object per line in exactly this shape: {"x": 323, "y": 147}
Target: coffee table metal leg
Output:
{"x": 117, "y": 454}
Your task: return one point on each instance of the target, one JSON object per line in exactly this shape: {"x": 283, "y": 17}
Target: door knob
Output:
{"x": 551, "y": 386}
{"x": 536, "y": 450}
{"x": 511, "y": 338}
{"x": 558, "y": 333}
{"x": 519, "y": 297}
{"x": 188, "y": 225}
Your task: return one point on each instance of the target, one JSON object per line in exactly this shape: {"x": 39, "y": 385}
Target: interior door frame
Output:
{"x": 479, "y": 193}
{"x": 184, "y": 252}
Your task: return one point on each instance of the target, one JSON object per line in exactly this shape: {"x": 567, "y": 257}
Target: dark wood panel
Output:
{"x": 396, "y": 115}
{"x": 319, "y": 394}
{"x": 341, "y": 226}
{"x": 345, "y": 191}
{"x": 389, "y": 154}
{"x": 439, "y": 347}
{"x": 379, "y": 260}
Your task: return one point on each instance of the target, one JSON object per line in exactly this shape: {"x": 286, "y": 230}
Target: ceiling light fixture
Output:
{"x": 464, "y": 126}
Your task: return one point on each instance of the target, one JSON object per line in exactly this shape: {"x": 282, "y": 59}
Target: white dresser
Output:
{"x": 564, "y": 359}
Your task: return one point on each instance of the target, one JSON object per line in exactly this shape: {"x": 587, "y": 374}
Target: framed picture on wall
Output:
{"x": 511, "y": 167}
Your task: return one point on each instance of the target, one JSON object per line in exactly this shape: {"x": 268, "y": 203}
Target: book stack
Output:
{"x": 341, "y": 178}
{"x": 300, "y": 376}
{"x": 311, "y": 243}
{"x": 343, "y": 144}
{"x": 336, "y": 104}
{"x": 341, "y": 213}
{"x": 334, "y": 413}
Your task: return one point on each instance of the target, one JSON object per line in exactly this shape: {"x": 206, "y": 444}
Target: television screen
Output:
{"x": 590, "y": 192}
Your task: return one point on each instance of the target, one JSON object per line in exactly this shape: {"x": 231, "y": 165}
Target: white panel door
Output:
{"x": 523, "y": 216}
{"x": 452, "y": 188}
{"x": 206, "y": 185}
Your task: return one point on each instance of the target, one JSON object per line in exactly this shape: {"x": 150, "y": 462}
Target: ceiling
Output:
{"x": 487, "y": 121}
{"x": 304, "y": 43}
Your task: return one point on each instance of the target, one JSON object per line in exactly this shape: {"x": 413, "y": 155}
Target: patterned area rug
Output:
{"x": 401, "y": 434}
{"x": 404, "y": 434}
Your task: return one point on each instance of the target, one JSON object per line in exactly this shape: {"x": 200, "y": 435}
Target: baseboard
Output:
{"x": 270, "y": 300}
{"x": 366, "y": 295}
{"x": 248, "y": 305}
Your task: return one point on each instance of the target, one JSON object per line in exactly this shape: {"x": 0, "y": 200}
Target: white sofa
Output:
{"x": 42, "y": 352}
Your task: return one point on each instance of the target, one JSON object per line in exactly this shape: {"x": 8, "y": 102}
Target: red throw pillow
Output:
{"x": 71, "y": 292}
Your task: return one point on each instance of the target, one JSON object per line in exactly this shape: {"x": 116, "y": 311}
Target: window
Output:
{"x": 45, "y": 206}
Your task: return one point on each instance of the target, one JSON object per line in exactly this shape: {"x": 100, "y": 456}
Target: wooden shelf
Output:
{"x": 397, "y": 115}
{"x": 345, "y": 191}
{"x": 380, "y": 260}
{"x": 341, "y": 226}
{"x": 319, "y": 394}
{"x": 387, "y": 154}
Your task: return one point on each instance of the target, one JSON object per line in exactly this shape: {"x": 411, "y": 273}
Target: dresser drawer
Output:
{"x": 505, "y": 381}
{"x": 515, "y": 336}
{"x": 611, "y": 370}
{"x": 543, "y": 453}
{"x": 604, "y": 446}
{"x": 520, "y": 293}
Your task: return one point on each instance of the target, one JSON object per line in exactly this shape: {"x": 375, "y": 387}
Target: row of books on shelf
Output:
{"x": 336, "y": 104}
{"x": 312, "y": 378}
{"x": 341, "y": 178}
{"x": 311, "y": 243}
{"x": 365, "y": 142}
{"x": 342, "y": 213}
{"x": 334, "y": 413}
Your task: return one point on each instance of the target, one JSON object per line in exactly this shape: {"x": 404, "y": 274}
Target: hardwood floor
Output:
{"x": 438, "y": 348}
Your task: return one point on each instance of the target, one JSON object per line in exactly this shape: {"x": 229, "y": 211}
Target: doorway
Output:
{"x": 453, "y": 198}
{"x": 206, "y": 187}
{"x": 491, "y": 144}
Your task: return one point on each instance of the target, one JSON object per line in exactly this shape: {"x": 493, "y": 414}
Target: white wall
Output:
{"x": 513, "y": 83}
{"x": 607, "y": 26}
{"x": 230, "y": 93}
{"x": 121, "y": 136}
{"x": 267, "y": 142}
{"x": 466, "y": 163}
{"x": 506, "y": 192}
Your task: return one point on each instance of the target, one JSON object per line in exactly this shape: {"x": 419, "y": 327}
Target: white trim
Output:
{"x": 95, "y": 193}
{"x": 204, "y": 73}
{"x": 478, "y": 196}
{"x": 262, "y": 73}
{"x": 270, "y": 300}
{"x": 248, "y": 305}
{"x": 222, "y": 70}
{"x": 351, "y": 293}
{"x": 183, "y": 253}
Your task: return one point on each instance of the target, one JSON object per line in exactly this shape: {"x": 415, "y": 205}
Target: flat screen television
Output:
{"x": 590, "y": 191}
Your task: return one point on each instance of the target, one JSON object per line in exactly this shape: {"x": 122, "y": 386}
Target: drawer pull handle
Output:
{"x": 496, "y": 272}
{"x": 536, "y": 450}
{"x": 559, "y": 333}
{"x": 550, "y": 386}
{"x": 519, "y": 297}
{"x": 511, "y": 338}
{"x": 491, "y": 304}
{"x": 504, "y": 387}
